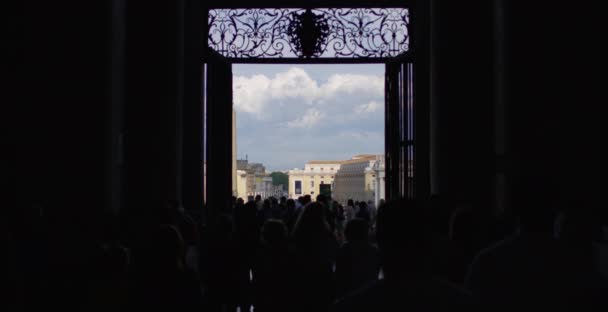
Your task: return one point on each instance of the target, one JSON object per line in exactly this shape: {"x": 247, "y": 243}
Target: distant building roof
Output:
{"x": 359, "y": 160}
{"x": 322, "y": 162}
{"x": 364, "y": 156}
{"x": 354, "y": 159}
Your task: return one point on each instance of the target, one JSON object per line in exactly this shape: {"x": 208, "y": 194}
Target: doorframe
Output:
{"x": 418, "y": 54}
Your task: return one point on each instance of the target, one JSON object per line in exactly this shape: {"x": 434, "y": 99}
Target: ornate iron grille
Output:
{"x": 316, "y": 33}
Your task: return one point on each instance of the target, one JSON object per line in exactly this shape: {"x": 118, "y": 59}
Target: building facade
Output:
{"x": 241, "y": 184}
{"x": 379, "y": 185}
{"x": 308, "y": 181}
{"x": 359, "y": 179}
{"x": 256, "y": 180}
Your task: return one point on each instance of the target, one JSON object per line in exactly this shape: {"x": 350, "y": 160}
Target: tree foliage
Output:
{"x": 279, "y": 178}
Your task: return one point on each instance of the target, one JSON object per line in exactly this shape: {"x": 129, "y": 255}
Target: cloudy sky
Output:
{"x": 290, "y": 114}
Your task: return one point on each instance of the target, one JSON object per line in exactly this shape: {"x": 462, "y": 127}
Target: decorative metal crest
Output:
{"x": 308, "y": 32}
{"x": 316, "y": 33}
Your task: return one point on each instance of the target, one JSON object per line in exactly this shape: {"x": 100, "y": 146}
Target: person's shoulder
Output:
{"x": 498, "y": 249}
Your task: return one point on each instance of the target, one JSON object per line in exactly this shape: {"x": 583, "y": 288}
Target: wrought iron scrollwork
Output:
{"x": 316, "y": 33}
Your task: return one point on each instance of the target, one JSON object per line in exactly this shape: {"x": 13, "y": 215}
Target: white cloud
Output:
{"x": 312, "y": 117}
{"x": 370, "y": 107}
{"x": 353, "y": 83}
{"x": 295, "y": 82}
{"x": 250, "y": 95}
{"x": 254, "y": 94}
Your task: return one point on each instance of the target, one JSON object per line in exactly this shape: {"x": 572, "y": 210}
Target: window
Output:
{"x": 321, "y": 168}
{"x": 298, "y": 187}
{"x": 332, "y": 169}
{"x": 312, "y": 183}
{"x": 322, "y": 182}
{"x": 321, "y": 177}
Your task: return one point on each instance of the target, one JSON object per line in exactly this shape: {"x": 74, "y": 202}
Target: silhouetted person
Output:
{"x": 338, "y": 215}
{"x": 466, "y": 237}
{"x": 290, "y": 215}
{"x": 272, "y": 270}
{"x": 329, "y": 215}
{"x": 531, "y": 268}
{"x": 307, "y": 199}
{"x": 315, "y": 248}
{"x": 448, "y": 257}
{"x": 258, "y": 202}
{"x": 373, "y": 211}
{"x": 246, "y": 239}
{"x": 349, "y": 210}
{"x": 363, "y": 212}
{"x": 275, "y": 208}
{"x": 409, "y": 283}
{"x": 266, "y": 212}
{"x": 165, "y": 283}
{"x": 222, "y": 267}
{"x": 357, "y": 261}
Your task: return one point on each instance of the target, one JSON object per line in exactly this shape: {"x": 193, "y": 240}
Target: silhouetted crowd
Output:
{"x": 304, "y": 255}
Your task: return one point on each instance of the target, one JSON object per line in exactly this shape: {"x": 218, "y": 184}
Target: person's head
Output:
{"x": 283, "y": 200}
{"x": 267, "y": 204}
{"x": 245, "y": 215}
{"x": 258, "y": 197}
{"x": 461, "y": 221}
{"x": 322, "y": 198}
{"x": 301, "y": 200}
{"x": 536, "y": 203}
{"x": 240, "y": 201}
{"x": 312, "y": 222}
{"x": 362, "y": 205}
{"x": 274, "y": 233}
{"x": 357, "y": 230}
{"x": 291, "y": 204}
{"x": 402, "y": 237}
{"x": 307, "y": 199}
{"x": 351, "y": 203}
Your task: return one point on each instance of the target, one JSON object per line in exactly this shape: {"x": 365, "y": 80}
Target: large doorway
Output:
{"x": 380, "y": 36}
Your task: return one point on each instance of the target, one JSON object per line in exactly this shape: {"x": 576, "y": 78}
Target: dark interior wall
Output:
{"x": 61, "y": 128}
{"x": 70, "y": 122}
{"x": 61, "y": 123}
{"x": 151, "y": 110}
{"x": 464, "y": 78}
{"x": 554, "y": 104}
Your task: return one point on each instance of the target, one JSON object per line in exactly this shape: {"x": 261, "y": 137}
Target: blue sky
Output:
{"x": 290, "y": 114}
